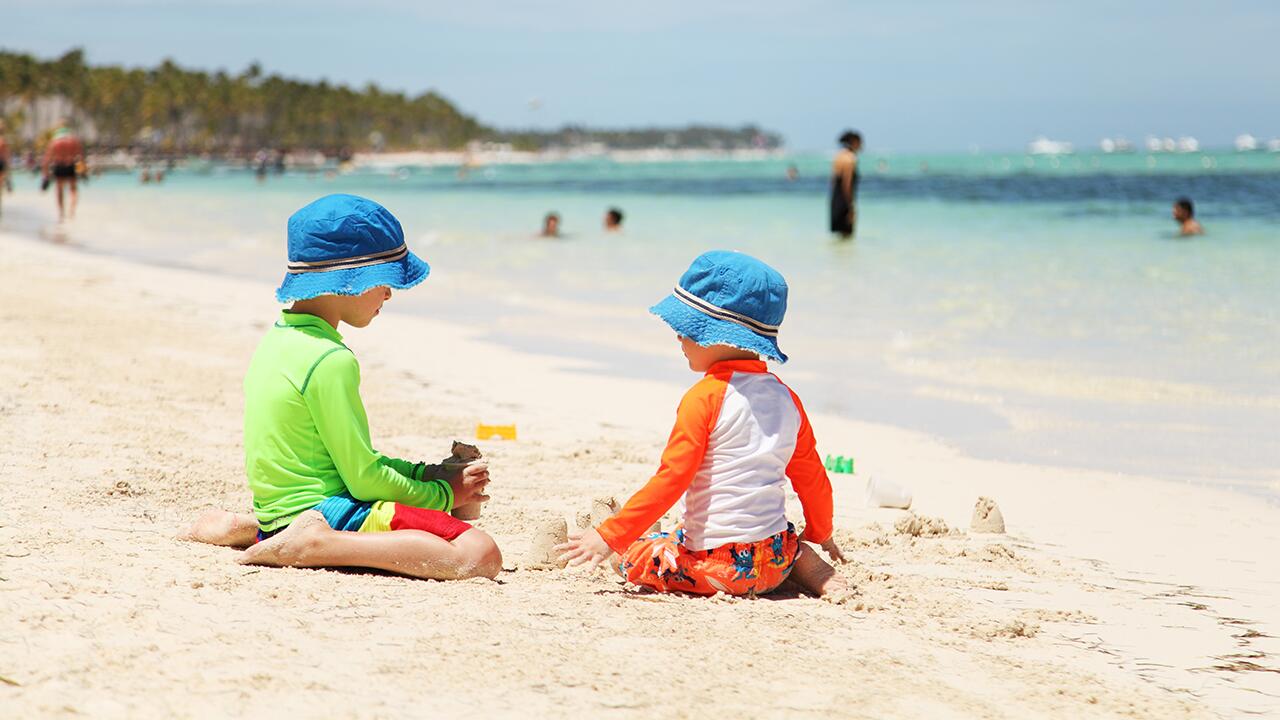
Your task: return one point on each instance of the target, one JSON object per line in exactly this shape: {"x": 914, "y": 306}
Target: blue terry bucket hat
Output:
{"x": 345, "y": 245}
{"x": 728, "y": 298}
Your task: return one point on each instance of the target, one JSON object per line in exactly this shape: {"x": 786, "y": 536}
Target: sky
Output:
{"x": 917, "y": 76}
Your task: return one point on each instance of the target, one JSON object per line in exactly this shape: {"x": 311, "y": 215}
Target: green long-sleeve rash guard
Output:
{"x": 306, "y": 435}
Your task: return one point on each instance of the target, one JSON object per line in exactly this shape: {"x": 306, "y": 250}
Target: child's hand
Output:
{"x": 833, "y": 550}
{"x": 585, "y": 547}
{"x": 469, "y": 484}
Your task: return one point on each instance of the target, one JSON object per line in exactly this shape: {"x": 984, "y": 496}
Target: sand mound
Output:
{"x": 543, "y": 556}
{"x": 917, "y": 526}
{"x": 987, "y": 517}
{"x": 602, "y": 508}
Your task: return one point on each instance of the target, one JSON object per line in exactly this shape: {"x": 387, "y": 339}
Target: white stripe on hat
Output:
{"x": 720, "y": 313}
{"x": 359, "y": 261}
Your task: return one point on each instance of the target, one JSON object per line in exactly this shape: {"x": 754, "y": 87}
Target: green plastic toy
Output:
{"x": 839, "y": 464}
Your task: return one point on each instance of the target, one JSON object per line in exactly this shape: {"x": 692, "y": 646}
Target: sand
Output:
{"x": 120, "y": 411}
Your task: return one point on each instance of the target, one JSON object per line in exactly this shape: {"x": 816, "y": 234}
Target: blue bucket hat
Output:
{"x": 728, "y": 298}
{"x": 345, "y": 245}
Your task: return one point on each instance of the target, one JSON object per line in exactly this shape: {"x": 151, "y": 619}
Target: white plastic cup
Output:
{"x": 887, "y": 494}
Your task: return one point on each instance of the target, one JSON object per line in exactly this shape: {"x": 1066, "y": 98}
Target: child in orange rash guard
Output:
{"x": 739, "y": 434}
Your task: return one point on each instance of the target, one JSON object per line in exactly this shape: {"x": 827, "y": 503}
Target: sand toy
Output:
{"x": 840, "y": 464}
{"x": 463, "y": 455}
{"x": 489, "y": 432}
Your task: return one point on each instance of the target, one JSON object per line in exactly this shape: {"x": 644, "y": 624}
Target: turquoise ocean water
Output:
{"x": 1029, "y": 309}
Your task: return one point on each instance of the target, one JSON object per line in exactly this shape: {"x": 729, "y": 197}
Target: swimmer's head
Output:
{"x": 613, "y": 219}
{"x": 1183, "y": 209}
{"x": 851, "y": 139}
{"x": 551, "y": 225}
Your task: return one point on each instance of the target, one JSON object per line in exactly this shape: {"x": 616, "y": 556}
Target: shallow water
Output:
{"x": 1033, "y": 309}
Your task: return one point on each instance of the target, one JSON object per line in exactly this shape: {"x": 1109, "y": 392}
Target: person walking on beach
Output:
{"x": 844, "y": 185}
{"x": 64, "y": 153}
{"x": 322, "y": 495}
{"x": 1184, "y": 213}
{"x": 4, "y": 165}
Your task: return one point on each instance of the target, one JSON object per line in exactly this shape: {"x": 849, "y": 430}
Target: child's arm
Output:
{"x": 809, "y": 478}
{"x": 680, "y": 460}
{"x": 333, "y": 396}
{"x": 685, "y": 448}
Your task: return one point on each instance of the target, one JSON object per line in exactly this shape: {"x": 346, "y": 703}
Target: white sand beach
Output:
{"x": 1109, "y": 596}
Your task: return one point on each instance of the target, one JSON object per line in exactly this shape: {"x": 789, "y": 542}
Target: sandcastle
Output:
{"x": 602, "y": 508}
{"x": 543, "y": 555}
{"x": 987, "y": 517}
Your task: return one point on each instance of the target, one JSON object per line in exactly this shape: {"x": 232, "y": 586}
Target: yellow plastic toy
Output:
{"x": 488, "y": 432}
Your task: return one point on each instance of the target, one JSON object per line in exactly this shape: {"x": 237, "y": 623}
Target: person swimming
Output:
{"x": 550, "y": 225}
{"x": 844, "y": 185}
{"x": 1184, "y": 213}
{"x": 613, "y": 220}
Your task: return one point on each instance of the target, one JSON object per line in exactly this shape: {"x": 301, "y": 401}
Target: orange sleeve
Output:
{"x": 809, "y": 478}
{"x": 698, "y": 413}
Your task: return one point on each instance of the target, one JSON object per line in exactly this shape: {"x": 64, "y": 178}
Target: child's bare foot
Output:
{"x": 293, "y": 546}
{"x": 815, "y": 576}
{"x": 219, "y": 527}
{"x": 837, "y": 590}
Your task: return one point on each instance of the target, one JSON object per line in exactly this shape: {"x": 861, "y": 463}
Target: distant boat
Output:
{"x": 1188, "y": 144}
{"x": 1118, "y": 145}
{"x": 1153, "y": 144}
{"x": 1273, "y": 145}
{"x": 1246, "y": 143}
{"x": 1044, "y": 146}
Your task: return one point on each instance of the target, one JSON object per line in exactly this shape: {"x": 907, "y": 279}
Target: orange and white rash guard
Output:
{"x": 739, "y": 433}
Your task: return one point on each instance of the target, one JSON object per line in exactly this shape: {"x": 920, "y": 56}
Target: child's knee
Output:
{"x": 480, "y": 555}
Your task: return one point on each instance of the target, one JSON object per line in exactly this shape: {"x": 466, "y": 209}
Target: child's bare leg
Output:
{"x": 815, "y": 576}
{"x": 219, "y": 527}
{"x": 310, "y": 542}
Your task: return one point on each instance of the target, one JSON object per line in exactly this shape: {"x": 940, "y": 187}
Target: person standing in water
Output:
{"x": 62, "y": 155}
{"x": 844, "y": 185}
{"x": 1184, "y": 213}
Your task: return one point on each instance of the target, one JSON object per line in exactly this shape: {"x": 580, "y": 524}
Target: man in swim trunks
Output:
{"x": 60, "y": 158}
{"x": 844, "y": 185}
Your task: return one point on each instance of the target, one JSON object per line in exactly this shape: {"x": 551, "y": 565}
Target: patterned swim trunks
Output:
{"x": 661, "y": 562}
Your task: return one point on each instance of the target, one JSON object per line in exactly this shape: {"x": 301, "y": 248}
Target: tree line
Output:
{"x": 183, "y": 110}
{"x": 177, "y": 110}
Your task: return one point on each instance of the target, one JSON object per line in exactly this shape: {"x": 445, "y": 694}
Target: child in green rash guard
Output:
{"x": 322, "y": 496}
